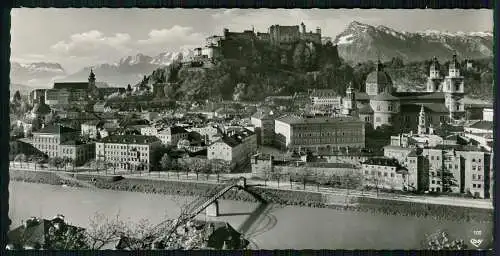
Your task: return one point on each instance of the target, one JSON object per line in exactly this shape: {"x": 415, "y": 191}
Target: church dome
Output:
{"x": 378, "y": 81}
{"x": 379, "y": 77}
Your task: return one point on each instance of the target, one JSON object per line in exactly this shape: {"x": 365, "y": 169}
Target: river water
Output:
{"x": 275, "y": 227}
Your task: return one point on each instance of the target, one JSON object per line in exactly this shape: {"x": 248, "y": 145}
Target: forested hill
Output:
{"x": 258, "y": 71}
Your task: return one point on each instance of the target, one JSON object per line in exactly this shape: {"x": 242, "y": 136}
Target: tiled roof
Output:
{"x": 361, "y": 96}
{"x": 385, "y": 96}
{"x": 56, "y": 129}
{"x": 365, "y": 109}
{"x": 130, "y": 139}
{"x": 418, "y": 95}
{"x": 323, "y": 93}
{"x": 413, "y": 153}
{"x": 262, "y": 115}
{"x": 71, "y": 85}
{"x": 292, "y": 119}
{"x": 231, "y": 141}
{"x": 174, "y": 130}
{"x": 484, "y": 125}
{"x": 428, "y": 107}
{"x": 382, "y": 161}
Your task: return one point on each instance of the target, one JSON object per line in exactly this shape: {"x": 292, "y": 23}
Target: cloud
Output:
{"x": 174, "y": 36}
{"x": 93, "y": 43}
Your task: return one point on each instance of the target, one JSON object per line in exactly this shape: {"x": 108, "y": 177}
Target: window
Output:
{"x": 389, "y": 107}
{"x": 378, "y": 107}
{"x": 474, "y": 185}
{"x": 479, "y": 177}
{"x": 377, "y": 119}
{"x": 456, "y": 166}
{"x": 385, "y": 174}
{"x": 478, "y": 185}
{"x": 392, "y": 175}
{"x": 433, "y": 182}
{"x": 437, "y": 157}
{"x": 432, "y": 157}
{"x": 473, "y": 176}
{"x": 473, "y": 160}
{"x": 473, "y": 167}
{"x": 479, "y": 168}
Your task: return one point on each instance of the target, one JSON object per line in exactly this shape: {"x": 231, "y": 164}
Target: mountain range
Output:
{"x": 357, "y": 43}
{"x": 361, "y": 42}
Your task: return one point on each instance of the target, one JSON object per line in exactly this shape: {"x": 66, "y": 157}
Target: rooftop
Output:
{"x": 383, "y": 161}
{"x": 483, "y": 125}
{"x": 56, "y": 129}
{"x": 428, "y": 107}
{"x": 71, "y": 85}
{"x": 292, "y": 119}
{"x": 130, "y": 139}
{"x": 418, "y": 95}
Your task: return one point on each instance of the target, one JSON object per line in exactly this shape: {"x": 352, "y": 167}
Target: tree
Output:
{"x": 21, "y": 158}
{"x": 448, "y": 180}
{"x": 17, "y": 96}
{"x": 219, "y": 166}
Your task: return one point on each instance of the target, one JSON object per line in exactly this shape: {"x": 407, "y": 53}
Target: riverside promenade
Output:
{"x": 69, "y": 175}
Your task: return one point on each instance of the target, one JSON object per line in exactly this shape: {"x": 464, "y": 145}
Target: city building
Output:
{"x": 488, "y": 114}
{"x": 236, "y": 147}
{"x": 264, "y": 127}
{"x": 385, "y": 173}
{"x": 209, "y": 133}
{"x": 172, "y": 135}
{"x": 318, "y": 133}
{"x": 381, "y": 104}
{"x": 127, "y": 152}
{"x": 76, "y": 150}
{"x": 326, "y": 97}
{"x": 64, "y": 94}
{"x": 49, "y": 139}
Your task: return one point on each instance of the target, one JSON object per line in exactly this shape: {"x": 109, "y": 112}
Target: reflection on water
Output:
{"x": 268, "y": 226}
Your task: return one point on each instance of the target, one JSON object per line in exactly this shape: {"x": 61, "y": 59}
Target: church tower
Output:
{"x": 349, "y": 101}
{"x": 434, "y": 80}
{"x": 453, "y": 88}
{"x": 91, "y": 79}
{"x": 421, "y": 121}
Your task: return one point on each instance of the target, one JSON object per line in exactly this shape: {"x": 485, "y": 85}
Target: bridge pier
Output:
{"x": 212, "y": 209}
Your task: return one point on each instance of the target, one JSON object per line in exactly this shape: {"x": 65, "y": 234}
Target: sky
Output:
{"x": 76, "y": 38}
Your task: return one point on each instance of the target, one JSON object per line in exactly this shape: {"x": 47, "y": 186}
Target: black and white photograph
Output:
{"x": 251, "y": 129}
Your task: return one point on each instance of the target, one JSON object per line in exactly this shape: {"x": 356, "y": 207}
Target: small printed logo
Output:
{"x": 476, "y": 242}
{"x": 477, "y": 232}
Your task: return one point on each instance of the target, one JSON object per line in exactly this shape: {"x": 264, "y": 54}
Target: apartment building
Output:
{"x": 172, "y": 135}
{"x": 384, "y": 173}
{"x": 236, "y": 148}
{"x": 264, "y": 127}
{"x": 49, "y": 138}
{"x": 318, "y": 133}
{"x": 127, "y": 152}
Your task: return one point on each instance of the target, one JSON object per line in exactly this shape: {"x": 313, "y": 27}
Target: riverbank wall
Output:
{"x": 271, "y": 195}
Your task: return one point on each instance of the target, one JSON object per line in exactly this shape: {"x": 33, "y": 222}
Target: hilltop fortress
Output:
{"x": 238, "y": 44}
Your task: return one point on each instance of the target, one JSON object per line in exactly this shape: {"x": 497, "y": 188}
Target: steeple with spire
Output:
{"x": 91, "y": 78}
{"x": 422, "y": 126}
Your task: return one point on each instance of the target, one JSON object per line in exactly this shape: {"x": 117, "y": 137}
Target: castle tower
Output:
{"x": 421, "y": 121}
{"x": 303, "y": 27}
{"x": 350, "y": 101}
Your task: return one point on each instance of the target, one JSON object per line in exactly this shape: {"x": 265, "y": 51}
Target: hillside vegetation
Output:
{"x": 256, "y": 71}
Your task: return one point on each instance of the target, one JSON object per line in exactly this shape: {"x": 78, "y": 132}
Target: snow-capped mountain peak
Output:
{"x": 361, "y": 42}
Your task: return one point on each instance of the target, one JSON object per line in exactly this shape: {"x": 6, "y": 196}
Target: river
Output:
{"x": 277, "y": 227}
